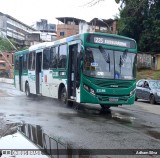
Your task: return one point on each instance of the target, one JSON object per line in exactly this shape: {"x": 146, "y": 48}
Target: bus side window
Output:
{"x": 54, "y": 57}
{"x": 46, "y": 58}
{"x": 62, "y": 56}
{"x": 16, "y": 63}
{"x": 30, "y": 61}
{"x": 25, "y": 62}
{"x": 33, "y": 60}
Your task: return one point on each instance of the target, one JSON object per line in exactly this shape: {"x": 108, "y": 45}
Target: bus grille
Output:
{"x": 112, "y": 84}
{"x": 106, "y": 98}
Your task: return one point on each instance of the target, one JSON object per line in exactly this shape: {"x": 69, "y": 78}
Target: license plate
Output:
{"x": 113, "y": 99}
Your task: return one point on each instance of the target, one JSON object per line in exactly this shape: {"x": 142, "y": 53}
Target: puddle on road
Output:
{"x": 154, "y": 134}
{"x": 17, "y": 146}
{"x": 96, "y": 113}
{"x": 32, "y": 141}
{"x": 121, "y": 117}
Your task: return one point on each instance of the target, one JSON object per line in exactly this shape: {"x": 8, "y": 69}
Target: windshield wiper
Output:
{"x": 105, "y": 55}
{"x": 123, "y": 58}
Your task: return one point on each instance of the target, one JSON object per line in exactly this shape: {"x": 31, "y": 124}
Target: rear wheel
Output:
{"x": 63, "y": 95}
{"x": 27, "y": 90}
{"x": 152, "y": 99}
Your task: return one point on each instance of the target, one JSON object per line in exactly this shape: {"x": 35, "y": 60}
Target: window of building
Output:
{"x": 46, "y": 58}
{"x": 61, "y": 33}
{"x": 54, "y": 57}
{"x": 62, "y": 56}
{"x": 2, "y": 65}
{"x": 7, "y": 56}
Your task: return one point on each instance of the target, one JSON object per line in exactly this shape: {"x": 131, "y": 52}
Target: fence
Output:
{"x": 145, "y": 61}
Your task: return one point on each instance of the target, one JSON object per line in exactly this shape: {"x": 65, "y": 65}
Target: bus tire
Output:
{"x": 63, "y": 95}
{"x": 105, "y": 106}
{"x": 27, "y": 90}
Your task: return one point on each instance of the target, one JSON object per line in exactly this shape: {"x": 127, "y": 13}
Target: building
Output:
{"x": 45, "y": 32}
{"x": 13, "y": 28}
{"x": 44, "y": 26}
{"x": 70, "y": 26}
{"x": 99, "y": 25}
{"x": 6, "y": 64}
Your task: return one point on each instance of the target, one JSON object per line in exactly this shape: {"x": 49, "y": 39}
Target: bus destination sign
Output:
{"x": 113, "y": 41}
{"x": 110, "y": 41}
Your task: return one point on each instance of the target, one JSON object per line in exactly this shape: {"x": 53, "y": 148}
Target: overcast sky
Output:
{"x": 30, "y": 11}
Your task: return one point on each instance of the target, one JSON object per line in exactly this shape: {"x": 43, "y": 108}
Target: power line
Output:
{"x": 91, "y": 3}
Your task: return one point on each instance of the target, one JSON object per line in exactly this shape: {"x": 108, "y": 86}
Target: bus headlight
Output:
{"x": 90, "y": 90}
{"x": 132, "y": 92}
{"x": 86, "y": 87}
{"x": 158, "y": 93}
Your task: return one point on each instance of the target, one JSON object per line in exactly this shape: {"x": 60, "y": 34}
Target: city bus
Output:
{"x": 94, "y": 68}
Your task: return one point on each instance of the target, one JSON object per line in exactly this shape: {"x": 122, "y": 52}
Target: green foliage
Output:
{"x": 5, "y": 45}
{"x": 141, "y": 20}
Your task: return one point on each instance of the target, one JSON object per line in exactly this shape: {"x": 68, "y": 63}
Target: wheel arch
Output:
{"x": 62, "y": 85}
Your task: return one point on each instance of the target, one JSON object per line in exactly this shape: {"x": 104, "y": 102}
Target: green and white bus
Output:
{"x": 94, "y": 68}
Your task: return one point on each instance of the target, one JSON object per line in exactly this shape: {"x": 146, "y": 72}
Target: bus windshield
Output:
{"x": 104, "y": 63}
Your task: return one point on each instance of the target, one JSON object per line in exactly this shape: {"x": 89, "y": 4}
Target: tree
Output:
{"x": 141, "y": 20}
{"x": 5, "y": 45}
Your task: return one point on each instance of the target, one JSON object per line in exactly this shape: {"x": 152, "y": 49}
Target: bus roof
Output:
{"x": 70, "y": 38}
{"x": 22, "y": 52}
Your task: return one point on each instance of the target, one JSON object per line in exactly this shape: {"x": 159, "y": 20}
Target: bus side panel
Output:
{"x": 78, "y": 95}
{"x": 50, "y": 83}
{"x": 17, "y": 82}
{"x": 45, "y": 83}
{"x": 31, "y": 80}
{"x": 53, "y": 87}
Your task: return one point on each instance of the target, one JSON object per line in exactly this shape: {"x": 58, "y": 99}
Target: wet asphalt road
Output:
{"x": 127, "y": 127}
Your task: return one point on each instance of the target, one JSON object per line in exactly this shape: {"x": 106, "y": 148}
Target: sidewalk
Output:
{"x": 7, "y": 80}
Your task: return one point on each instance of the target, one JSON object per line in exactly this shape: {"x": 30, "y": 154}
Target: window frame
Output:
{"x": 47, "y": 48}
{"x": 63, "y": 44}
{"x": 56, "y": 47}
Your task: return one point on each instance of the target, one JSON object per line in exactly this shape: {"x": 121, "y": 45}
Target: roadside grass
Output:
{"x": 148, "y": 74}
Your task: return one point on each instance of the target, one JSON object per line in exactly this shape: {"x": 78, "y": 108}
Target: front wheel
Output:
{"x": 105, "y": 106}
{"x": 152, "y": 99}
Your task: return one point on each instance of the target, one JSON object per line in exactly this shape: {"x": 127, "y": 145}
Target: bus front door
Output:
{"x": 38, "y": 72}
{"x": 20, "y": 73}
{"x": 72, "y": 72}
